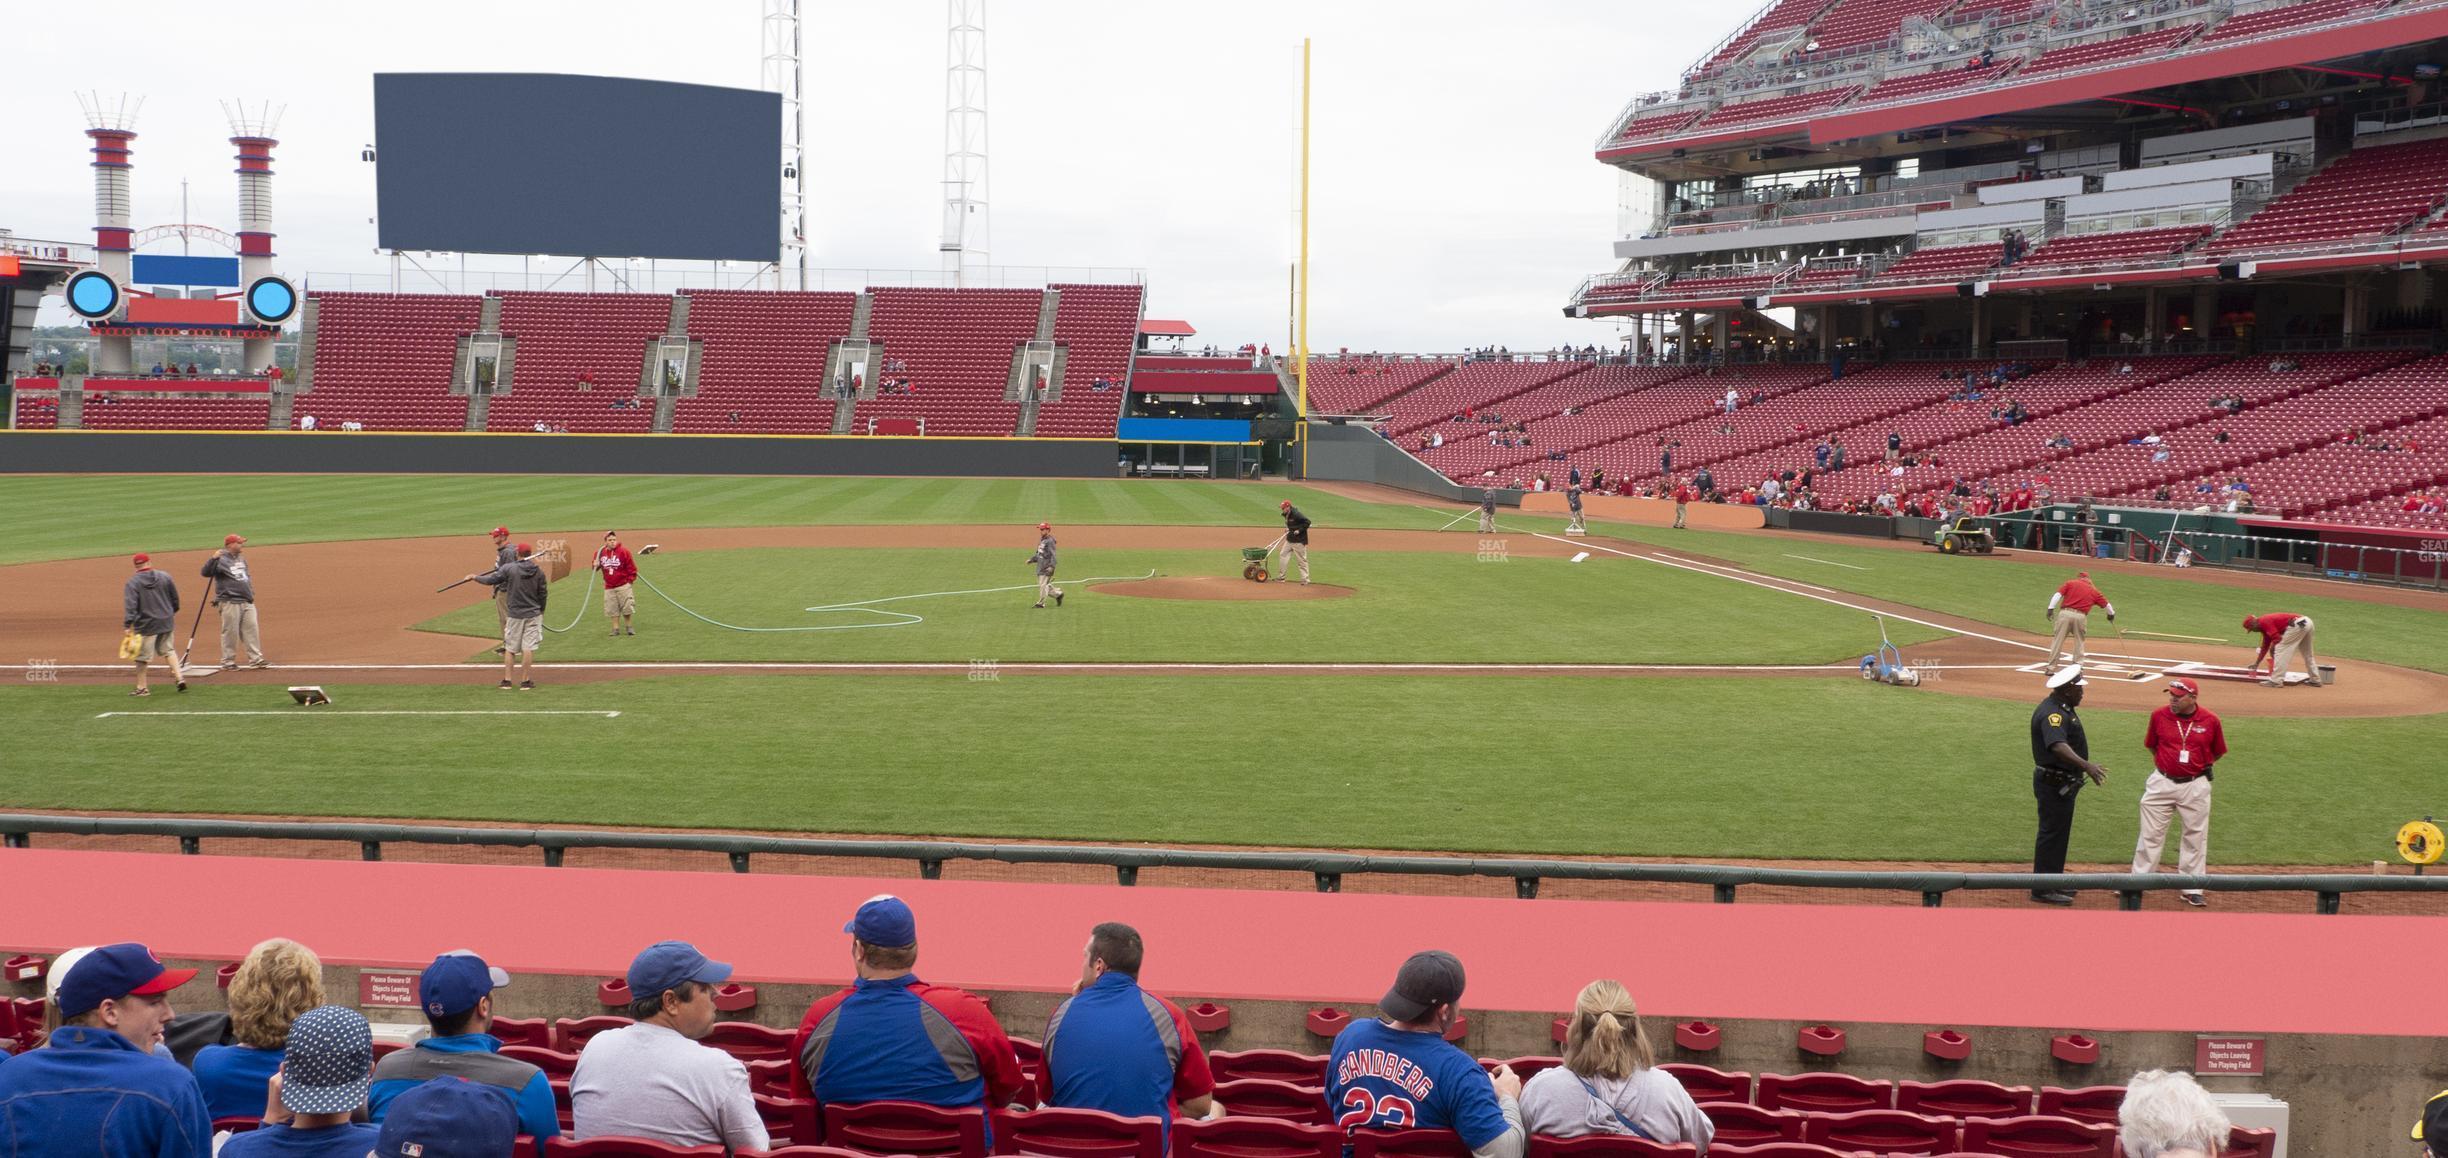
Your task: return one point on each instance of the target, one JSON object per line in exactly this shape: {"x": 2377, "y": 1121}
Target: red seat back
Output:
{"x": 906, "y": 1128}
{"x": 1964, "y": 1099}
{"x": 2040, "y": 1137}
{"x": 571, "y": 1033}
{"x": 1255, "y": 1138}
{"x": 1744, "y": 1124}
{"x": 749, "y": 1041}
{"x": 553, "y": 1062}
{"x": 1608, "y": 1146}
{"x": 2084, "y": 1104}
{"x": 1824, "y": 1093}
{"x": 2257, "y": 1143}
{"x": 1523, "y": 1067}
{"x": 1279, "y": 1065}
{"x": 1260, "y": 1097}
{"x": 610, "y": 1146}
{"x": 1408, "y": 1144}
{"x": 1706, "y": 1084}
{"x": 1883, "y": 1131}
{"x": 535, "y": 1031}
{"x": 1072, "y": 1133}
{"x": 789, "y": 1120}
{"x": 1777, "y": 1150}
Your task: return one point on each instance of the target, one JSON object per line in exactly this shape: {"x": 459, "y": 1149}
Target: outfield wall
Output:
{"x": 1359, "y": 454}
{"x": 1653, "y": 512}
{"x": 286, "y": 452}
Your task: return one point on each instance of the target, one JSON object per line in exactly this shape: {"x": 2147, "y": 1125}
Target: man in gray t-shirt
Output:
{"x": 653, "y": 1079}
{"x": 233, "y": 592}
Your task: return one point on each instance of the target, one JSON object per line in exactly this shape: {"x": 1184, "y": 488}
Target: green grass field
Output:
{"x": 1691, "y": 767}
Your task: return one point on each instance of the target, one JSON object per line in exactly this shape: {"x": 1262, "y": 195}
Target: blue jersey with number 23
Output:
{"x": 1382, "y": 1078}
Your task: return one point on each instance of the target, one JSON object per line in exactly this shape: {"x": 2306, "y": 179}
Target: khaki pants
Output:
{"x": 238, "y": 629}
{"x": 1296, "y": 552}
{"x": 1045, "y": 587}
{"x": 2071, "y": 625}
{"x": 2189, "y": 800}
{"x": 2298, "y": 637}
{"x": 1678, "y": 514}
{"x": 1487, "y": 521}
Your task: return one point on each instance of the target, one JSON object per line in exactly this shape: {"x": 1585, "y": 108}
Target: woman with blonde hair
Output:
{"x": 2166, "y": 1114}
{"x": 1609, "y": 1082}
{"x": 279, "y": 980}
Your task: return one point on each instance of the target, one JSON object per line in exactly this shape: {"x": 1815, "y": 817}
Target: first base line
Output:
{"x": 303, "y": 713}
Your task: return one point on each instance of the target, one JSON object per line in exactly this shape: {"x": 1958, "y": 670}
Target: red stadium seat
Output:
{"x": 1743, "y": 1123}
{"x": 1280, "y": 1065}
{"x": 1824, "y": 1093}
{"x": 612, "y": 1146}
{"x": 554, "y": 1063}
{"x": 1407, "y": 1144}
{"x": 1887, "y": 1132}
{"x": 2255, "y": 1143}
{"x": 535, "y": 1031}
{"x": 749, "y": 1041}
{"x": 790, "y": 1119}
{"x": 1706, "y": 1084}
{"x": 570, "y": 1034}
{"x": 1964, "y": 1099}
{"x": 1070, "y": 1133}
{"x": 1255, "y": 1138}
{"x": 892, "y": 1128}
{"x": 2084, "y": 1104}
{"x": 1262, "y": 1098}
{"x": 1523, "y": 1067}
{"x": 2040, "y": 1137}
{"x": 1607, "y": 1146}
{"x": 1778, "y": 1150}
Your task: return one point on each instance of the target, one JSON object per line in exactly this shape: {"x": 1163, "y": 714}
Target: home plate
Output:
{"x": 2106, "y": 671}
{"x": 2215, "y": 671}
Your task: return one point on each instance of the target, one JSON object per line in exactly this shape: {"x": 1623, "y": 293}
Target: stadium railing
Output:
{"x": 1327, "y": 869}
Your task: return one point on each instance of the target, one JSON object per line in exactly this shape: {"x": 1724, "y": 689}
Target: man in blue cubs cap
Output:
{"x": 447, "y": 1117}
{"x": 96, "y": 1091}
{"x": 456, "y": 993}
{"x": 652, "y": 1079}
{"x": 892, "y": 1037}
{"x": 326, "y": 1067}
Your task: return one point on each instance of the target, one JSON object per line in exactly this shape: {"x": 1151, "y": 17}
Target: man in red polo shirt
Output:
{"x": 1683, "y": 494}
{"x": 2282, "y": 637}
{"x": 2184, "y": 739}
{"x": 2070, "y": 609}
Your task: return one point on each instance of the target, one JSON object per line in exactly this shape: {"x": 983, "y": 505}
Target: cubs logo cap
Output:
{"x": 456, "y": 981}
{"x": 113, "y": 971}
{"x": 884, "y": 920}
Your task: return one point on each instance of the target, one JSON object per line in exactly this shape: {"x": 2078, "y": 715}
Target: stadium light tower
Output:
{"x": 111, "y": 123}
{"x": 785, "y": 71}
{"x": 966, "y": 232}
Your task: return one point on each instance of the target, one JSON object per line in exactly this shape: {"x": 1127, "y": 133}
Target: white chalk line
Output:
{"x": 301, "y": 714}
{"x": 1123, "y": 667}
{"x": 1827, "y": 562}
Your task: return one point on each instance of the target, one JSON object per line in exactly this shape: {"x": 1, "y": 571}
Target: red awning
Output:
{"x": 1167, "y": 328}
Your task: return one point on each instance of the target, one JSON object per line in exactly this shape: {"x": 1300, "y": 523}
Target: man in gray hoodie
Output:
{"x": 151, "y": 603}
{"x": 523, "y": 591}
{"x": 1043, "y": 560}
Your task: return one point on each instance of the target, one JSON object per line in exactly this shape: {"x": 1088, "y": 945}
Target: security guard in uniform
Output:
{"x": 2061, "y": 759}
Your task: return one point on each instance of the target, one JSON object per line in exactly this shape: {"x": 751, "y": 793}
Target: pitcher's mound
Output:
{"x": 1217, "y": 587}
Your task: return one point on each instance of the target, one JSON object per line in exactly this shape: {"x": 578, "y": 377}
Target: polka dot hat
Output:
{"x": 329, "y": 1061}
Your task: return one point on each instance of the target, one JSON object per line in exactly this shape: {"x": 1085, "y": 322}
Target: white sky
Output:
{"x": 1455, "y": 201}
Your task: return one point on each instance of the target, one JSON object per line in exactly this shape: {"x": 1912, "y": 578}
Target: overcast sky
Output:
{"x": 1455, "y": 201}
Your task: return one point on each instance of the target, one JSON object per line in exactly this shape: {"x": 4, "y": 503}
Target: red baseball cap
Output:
{"x": 1287, "y": 504}
{"x": 2252, "y": 622}
{"x": 2182, "y": 688}
{"x": 1045, "y": 526}
{"x": 141, "y": 560}
{"x": 524, "y": 550}
{"x": 228, "y": 540}
{"x": 501, "y": 532}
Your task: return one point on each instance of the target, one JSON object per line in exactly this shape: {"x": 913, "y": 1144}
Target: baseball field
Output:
{"x": 861, "y": 656}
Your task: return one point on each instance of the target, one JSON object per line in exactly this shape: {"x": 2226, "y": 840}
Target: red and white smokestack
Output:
{"x": 254, "y": 227}
{"x": 114, "y": 230}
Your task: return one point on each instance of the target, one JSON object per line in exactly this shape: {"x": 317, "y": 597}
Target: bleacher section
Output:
{"x": 1857, "y": 22}
{"x": 1485, "y": 385}
{"x": 2370, "y": 192}
{"x": 1783, "y": 16}
{"x": 764, "y": 361}
{"x": 563, "y": 336}
{"x": 1096, "y": 325}
{"x": 1650, "y": 125}
{"x": 1946, "y": 263}
{"x": 384, "y": 360}
{"x": 1594, "y": 393}
{"x": 2403, "y": 509}
{"x": 139, "y": 412}
{"x": 1621, "y": 434}
{"x": 1782, "y": 108}
{"x": 2247, "y": 25}
{"x": 1796, "y": 417}
{"x": 1921, "y": 84}
{"x": 956, "y": 346}
{"x": 37, "y": 411}
{"x": 1359, "y": 385}
{"x": 2131, "y": 246}
{"x": 2293, "y": 453}
{"x": 2113, "y": 49}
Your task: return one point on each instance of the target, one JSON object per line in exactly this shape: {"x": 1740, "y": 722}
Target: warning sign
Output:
{"x": 390, "y": 990}
{"x": 2229, "y": 1055}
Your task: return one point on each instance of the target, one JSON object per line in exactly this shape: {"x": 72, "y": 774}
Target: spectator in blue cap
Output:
{"x": 326, "y": 1068}
{"x": 652, "y": 1079}
{"x": 892, "y": 1037}
{"x": 457, "y": 993}
{"x": 447, "y": 1117}
{"x": 96, "y": 1090}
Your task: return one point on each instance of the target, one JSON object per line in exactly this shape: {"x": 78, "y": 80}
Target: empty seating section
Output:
{"x": 763, "y": 360}
{"x": 1946, "y": 263}
{"x": 1782, "y": 16}
{"x": 37, "y": 411}
{"x": 2115, "y": 48}
{"x": 1776, "y": 421}
{"x": 1923, "y": 84}
{"x": 2123, "y": 247}
{"x": 1623, "y": 399}
{"x": 1482, "y": 385}
{"x": 1095, "y": 325}
{"x": 956, "y": 345}
{"x": 1736, "y": 286}
{"x": 2021, "y": 452}
{"x": 2370, "y": 192}
{"x": 1857, "y": 22}
{"x": 1775, "y": 108}
{"x": 385, "y": 360}
{"x": 2404, "y": 509}
{"x": 143, "y": 412}
{"x": 1361, "y": 385}
{"x": 2394, "y": 460}
{"x": 1648, "y": 125}
{"x": 1624, "y": 439}
{"x": 576, "y": 354}
{"x": 2288, "y": 16}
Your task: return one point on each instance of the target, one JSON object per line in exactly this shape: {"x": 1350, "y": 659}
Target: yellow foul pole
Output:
{"x": 1300, "y": 351}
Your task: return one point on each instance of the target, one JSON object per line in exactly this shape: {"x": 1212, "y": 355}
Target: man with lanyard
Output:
{"x": 2184, "y": 739}
{"x": 1397, "y": 1071}
{"x": 2061, "y": 759}
{"x": 2070, "y": 611}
